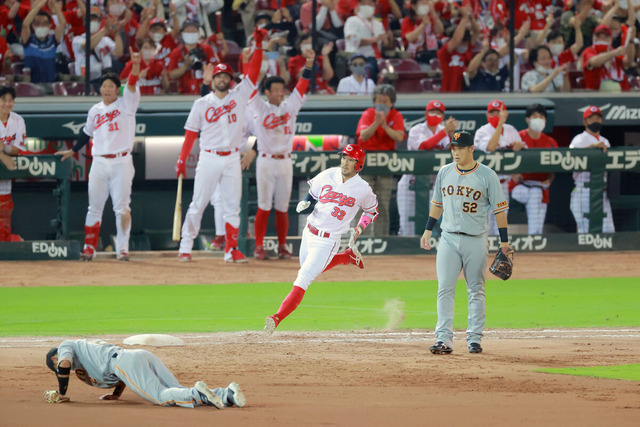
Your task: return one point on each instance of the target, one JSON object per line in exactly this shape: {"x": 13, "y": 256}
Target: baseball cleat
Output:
{"x": 123, "y": 256}
{"x": 207, "y": 396}
{"x": 182, "y": 257}
{"x": 440, "y": 348}
{"x": 235, "y": 395}
{"x": 217, "y": 244}
{"x": 283, "y": 253}
{"x": 234, "y": 255}
{"x": 87, "y": 254}
{"x": 354, "y": 257}
{"x": 260, "y": 253}
{"x": 475, "y": 347}
{"x": 270, "y": 324}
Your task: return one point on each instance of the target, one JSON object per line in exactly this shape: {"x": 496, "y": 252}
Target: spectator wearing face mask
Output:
{"x": 324, "y": 70}
{"x": 358, "y": 83}
{"x": 383, "y": 8}
{"x": 103, "y": 48}
{"x": 491, "y": 77}
{"x": 421, "y": 29}
{"x": 366, "y": 35}
{"x": 156, "y": 29}
{"x": 12, "y": 14}
{"x": 556, "y": 42}
{"x": 581, "y": 195}
{"x": 128, "y": 27}
{"x": 432, "y": 134}
{"x": 498, "y": 135}
{"x": 74, "y": 14}
{"x": 618, "y": 24}
{"x": 187, "y": 61}
{"x": 544, "y": 77}
{"x": 604, "y": 66}
{"x": 40, "y": 46}
{"x": 532, "y": 189}
{"x": 489, "y": 14}
{"x": 455, "y": 54}
{"x": 153, "y": 77}
{"x": 380, "y": 128}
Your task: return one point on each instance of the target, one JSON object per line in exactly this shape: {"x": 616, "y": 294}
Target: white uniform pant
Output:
{"x": 218, "y": 212}
{"x": 531, "y": 198}
{"x": 112, "y": 177}
{"x": 580, "y": 206}
{"x": 148, "y": 377}
{"x": 213, "y": 171}
{"x": 493, "y": 225}
{"x": 274, "y": 178}
{"x": 315, "y": 254}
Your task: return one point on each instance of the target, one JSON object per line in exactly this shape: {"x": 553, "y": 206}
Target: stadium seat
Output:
{"x": 634, "y": 82}
{"x": 573, "y": 79}
{"x": 233, "y": 55}
{"x": 341, "y": 44}
{"x": 401, "y": 69}
{"x": 434, "y": 63}
{"x": 408, "y": 85}
{"x": 26, "y": 89}
{"x": 17, "y": 67}
{"x": 580, "y": 82}
{"x": 68, "y": 88}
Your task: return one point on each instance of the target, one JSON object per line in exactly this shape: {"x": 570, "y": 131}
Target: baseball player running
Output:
{"x": 219, "y": 117}
{"x": 429, "y": 135}
{"x": 340, "y": 193}
{"x": 13, "y": 134}
{"x": 274, "y": 127}
{"x": 498, "y": 135}
{"x": 580, "y": 205}
{"x": 465, "y": 191}
{"x": 112, "y": 125}
{"x": 104, "y": 365}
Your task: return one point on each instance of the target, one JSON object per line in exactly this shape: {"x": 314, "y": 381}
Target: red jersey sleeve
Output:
{"x": 126, "y": 71}
{"x": 566, "y": 57}
{"x": 397, "y": 123}
{"x": 175, "y": 57}
{"x": 365, "y": 121}
{"x": 406, "y": 27}
{"x": 155, "y": 68}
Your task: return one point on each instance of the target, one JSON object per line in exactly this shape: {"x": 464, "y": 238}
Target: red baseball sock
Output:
{"x": 338, "y": 259}
{"x": 260, "y": 228}
{"x": 231, "y": 240}
{"x": 290, "y": 303}
{"x": 91, "y": 235}
{"x": 282, "y": 226}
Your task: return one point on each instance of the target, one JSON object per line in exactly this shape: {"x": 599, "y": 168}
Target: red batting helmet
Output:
{"x": 222, "y": 68}
{"x": 355, "y": 152}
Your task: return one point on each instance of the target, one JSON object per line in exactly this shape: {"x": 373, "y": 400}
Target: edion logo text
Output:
{"x": 49, "y": 248}
{"x": 35, "y": 166}
{"x": 596, "y": 241}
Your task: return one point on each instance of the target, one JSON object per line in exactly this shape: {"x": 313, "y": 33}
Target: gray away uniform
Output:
{"x": 466, "y": 199}
{"x": 103, "y": 365}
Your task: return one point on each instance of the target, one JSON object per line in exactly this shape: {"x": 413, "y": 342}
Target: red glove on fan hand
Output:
{"x": 181, "y": 168}
{"x": 259, "y": 35}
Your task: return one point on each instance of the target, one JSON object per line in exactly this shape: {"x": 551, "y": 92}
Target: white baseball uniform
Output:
{"x": 274, "y": 127}
{"x": 481, "y": 139}
{"x": 13, "y": 133}
{"x": 113, "y": 129}
{"x": 220, "y": 123}
{"x": 407, "y": 198}
{"x": 580, "y": 195}
{"x": 338, "y": 203}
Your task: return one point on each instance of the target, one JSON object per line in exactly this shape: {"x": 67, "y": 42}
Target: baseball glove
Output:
{"x": 52, "y": 396}
{"x": 502, "y": 265}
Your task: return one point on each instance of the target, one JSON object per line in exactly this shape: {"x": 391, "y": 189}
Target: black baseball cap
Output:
{"x": 462, "y": 139}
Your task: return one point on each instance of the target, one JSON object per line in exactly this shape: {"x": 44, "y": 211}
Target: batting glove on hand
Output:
{"x": 52, "y": 396}
{"x": 181, "y": 168}
{"x": 355, "y": 233}
{"x": 302, "y": 205}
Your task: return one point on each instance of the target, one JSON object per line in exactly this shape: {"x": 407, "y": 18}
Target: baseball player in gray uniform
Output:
{"x": 465, "y": 191}
{"x": 107, "y": 366}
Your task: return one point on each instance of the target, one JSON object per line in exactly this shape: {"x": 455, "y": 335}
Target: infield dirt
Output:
{"x": 359, "y": 378}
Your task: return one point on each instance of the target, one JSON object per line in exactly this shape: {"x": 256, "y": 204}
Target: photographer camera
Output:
{"x": 186, "y": 62}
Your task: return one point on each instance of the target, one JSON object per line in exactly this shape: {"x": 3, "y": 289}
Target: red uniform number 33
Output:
{"x": 338, "y": 213}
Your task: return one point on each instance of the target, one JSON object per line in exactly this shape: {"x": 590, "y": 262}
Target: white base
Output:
{"x": 157, "y": 340}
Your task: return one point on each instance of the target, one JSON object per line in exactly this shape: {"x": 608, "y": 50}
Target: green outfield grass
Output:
{"x": 522, "y": 304}
{"x": 619, "y": 372}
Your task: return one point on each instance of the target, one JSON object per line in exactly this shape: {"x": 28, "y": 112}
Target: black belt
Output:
{"x": 463, "y": 234}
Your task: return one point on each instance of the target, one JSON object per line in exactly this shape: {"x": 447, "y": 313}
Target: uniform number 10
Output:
{"x": 232, "y": 118}
{"x": 471, "y": 207}
{"x": 338, "y": 213}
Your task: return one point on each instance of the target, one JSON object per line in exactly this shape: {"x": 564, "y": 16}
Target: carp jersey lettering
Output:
{"x": 220, "y": 121}
{"x": 339, "y": 202}
{"x": 275, "y": 126}
{"x": 113, "y": 126}
{"x": 12, "y": 133}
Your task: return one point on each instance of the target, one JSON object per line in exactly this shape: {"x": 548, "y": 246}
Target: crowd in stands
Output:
{"x": 414, "y": 45}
